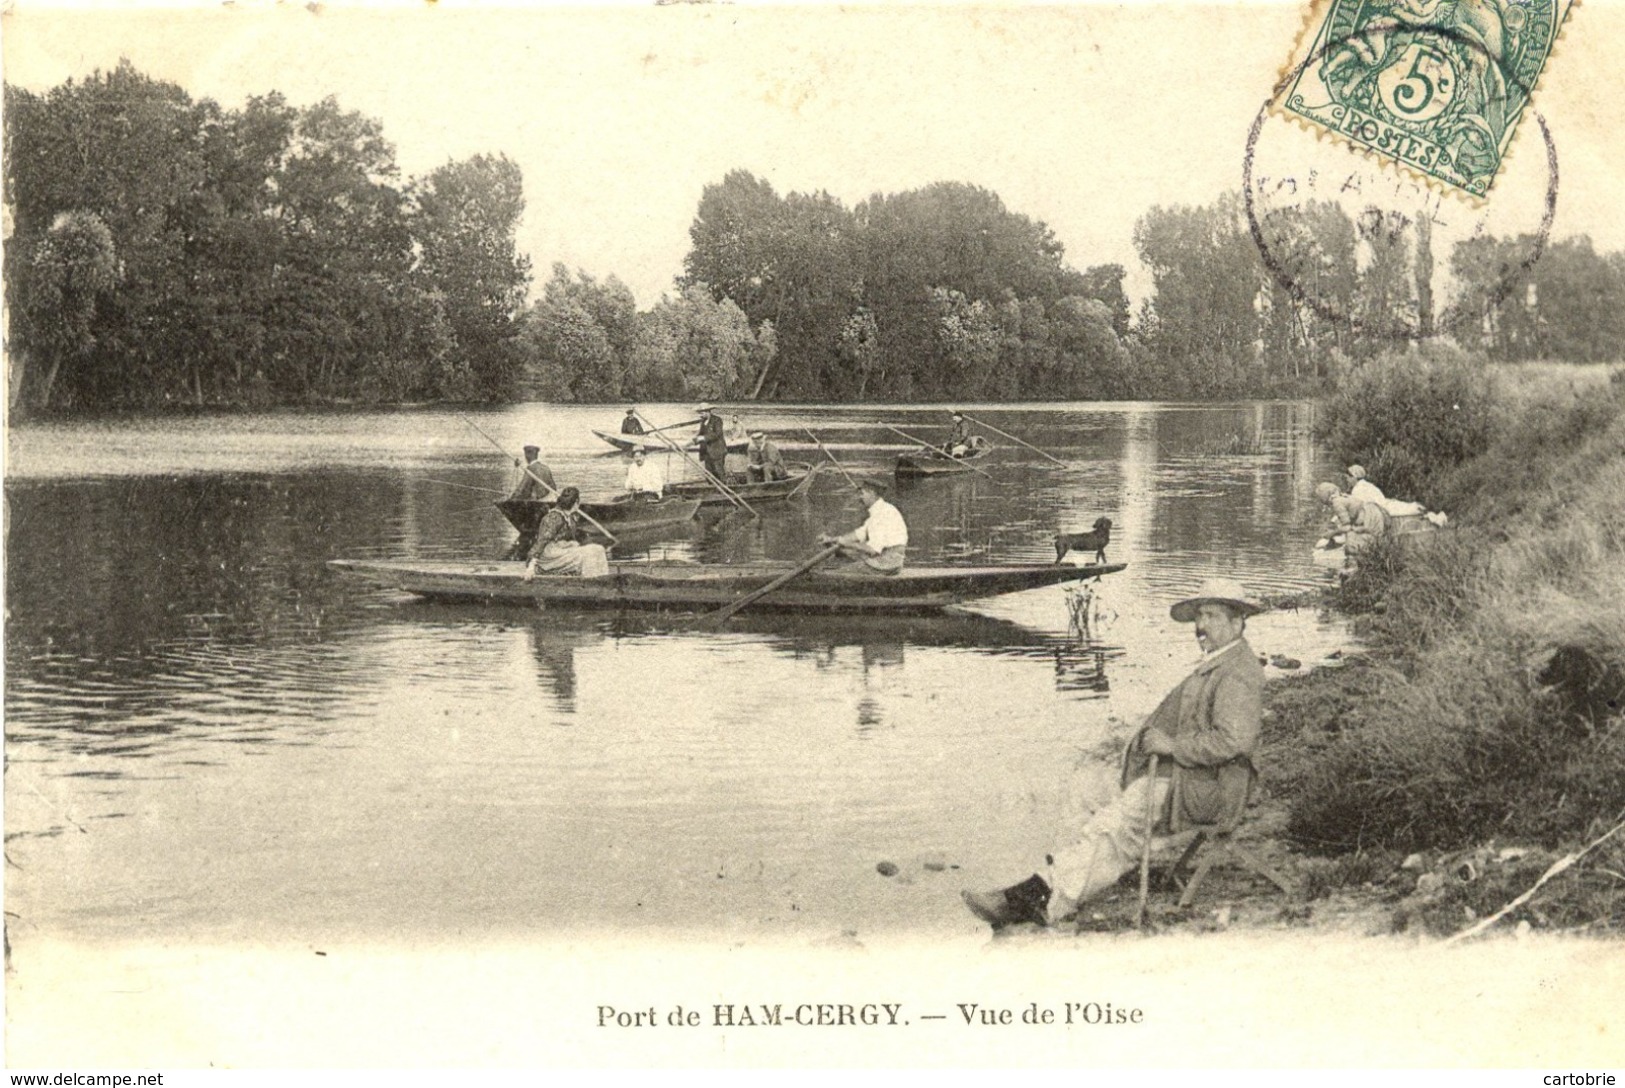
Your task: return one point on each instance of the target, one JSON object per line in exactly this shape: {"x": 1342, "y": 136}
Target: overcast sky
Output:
{"x": 1082, "y": 116}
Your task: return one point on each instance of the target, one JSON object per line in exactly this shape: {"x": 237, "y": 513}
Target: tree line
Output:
{"x": 165, "y": 250}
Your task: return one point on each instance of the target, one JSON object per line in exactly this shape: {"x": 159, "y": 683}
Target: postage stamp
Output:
{"x": 1437, "y": 85}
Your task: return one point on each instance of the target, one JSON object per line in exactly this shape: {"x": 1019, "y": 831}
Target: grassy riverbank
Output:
{"x": 1483, "y": 735}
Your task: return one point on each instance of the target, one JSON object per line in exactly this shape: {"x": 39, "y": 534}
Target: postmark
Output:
{"x": 1438, "y": 86}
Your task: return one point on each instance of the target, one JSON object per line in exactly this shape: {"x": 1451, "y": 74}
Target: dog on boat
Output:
{"x": 1095, "y": 540}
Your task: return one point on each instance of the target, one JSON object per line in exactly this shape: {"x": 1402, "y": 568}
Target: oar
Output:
{"x": 727, "y": 492}
{"x": 465, "y": 487}
{"x": 932, "y": 449}
{"x": 1013, "y": 438}
{"x": 720, "y": 616}
{"x": 1145, "y": 852}
{"x": 613, "y": 539}
{"x": 831, "y": 456}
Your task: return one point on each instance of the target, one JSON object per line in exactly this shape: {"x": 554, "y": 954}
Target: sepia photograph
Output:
{"x": 561, "y": 536}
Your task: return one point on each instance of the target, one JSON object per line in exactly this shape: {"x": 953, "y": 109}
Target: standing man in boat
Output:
{"x": 528, "y": 488}
{"x": 958, "y": 444}
{"x": 713, "y": 442}
{"x": 557, "y": 551}
{"x": 532, "y": 475}
{"x": 877, "y": 546}
{"x": 763, "y": 461}
{"x": 644, "y": 480}
{"x": 630, "y": 423}
{"x": 1205, "y": 734}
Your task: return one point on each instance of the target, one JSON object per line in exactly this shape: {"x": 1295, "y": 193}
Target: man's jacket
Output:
{"x": 1213, "y": 717}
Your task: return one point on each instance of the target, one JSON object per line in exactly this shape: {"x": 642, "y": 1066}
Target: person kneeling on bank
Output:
{"x": 557, "y": 551}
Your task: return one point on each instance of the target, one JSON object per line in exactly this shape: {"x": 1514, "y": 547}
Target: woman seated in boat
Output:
{"x": 763, "y": 461}
{"x": 877, "y": 546}
{"x": 557, "y": 551}
{"x": 644, "y": 479}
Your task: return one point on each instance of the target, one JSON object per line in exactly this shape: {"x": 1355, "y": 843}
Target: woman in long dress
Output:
{"x": 557, "y": 551}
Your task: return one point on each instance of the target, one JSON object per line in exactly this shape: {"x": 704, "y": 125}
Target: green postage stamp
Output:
{"x": 1438, "y": 85}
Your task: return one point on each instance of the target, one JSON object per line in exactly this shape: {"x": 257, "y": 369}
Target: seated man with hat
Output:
{"x": 763, "y": 461}
{"x": 1205, "y": 735}
{"x": 877, "y": 546}
{"x": 630, "y": 423}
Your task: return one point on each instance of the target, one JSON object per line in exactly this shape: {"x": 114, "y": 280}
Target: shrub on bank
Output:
{"x": 1498, "y": 709}
{"x": 1408, "y": 416}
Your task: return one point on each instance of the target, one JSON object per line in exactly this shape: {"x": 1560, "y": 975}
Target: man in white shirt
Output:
{"x": 643, "y": 477}
{"x": 879, "y": 543}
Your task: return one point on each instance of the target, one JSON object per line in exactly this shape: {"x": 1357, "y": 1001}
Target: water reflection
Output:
{"x": 188, "y": 683}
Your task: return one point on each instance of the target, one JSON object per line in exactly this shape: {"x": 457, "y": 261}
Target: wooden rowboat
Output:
{"x": 936, "y": 463}
{"x": 650, "y": 443}
{"x": 618, "y": 515}
{"x": 767, "y": 491}
{"x": 691, "y": 586}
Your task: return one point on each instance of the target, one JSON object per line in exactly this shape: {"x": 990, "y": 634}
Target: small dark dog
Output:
{"x": 1083, "y": 542}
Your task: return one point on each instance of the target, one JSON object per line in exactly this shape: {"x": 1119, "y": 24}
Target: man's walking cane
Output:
{"x": 1145, "y": 852}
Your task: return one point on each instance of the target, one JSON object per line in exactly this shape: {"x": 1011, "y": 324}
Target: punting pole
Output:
{"x": 1013, "y": 438}
{"x": 727, "y": 492}
{"x": 831, "y": 456}
{"x": 613, "y": 539}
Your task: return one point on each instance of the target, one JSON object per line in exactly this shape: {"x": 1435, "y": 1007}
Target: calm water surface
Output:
{"x": 211, "y": 736}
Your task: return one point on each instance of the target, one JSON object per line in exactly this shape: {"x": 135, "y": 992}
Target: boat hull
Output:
{"x": 616, "y": 516}
{"x": 626, "y": 443}
{"x": 916, "y": 466}
{"x": 767, "y": 491}
{"x": 691, "y": 586}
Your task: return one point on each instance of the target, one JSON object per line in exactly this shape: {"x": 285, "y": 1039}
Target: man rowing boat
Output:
{"x": 876, "y": 546}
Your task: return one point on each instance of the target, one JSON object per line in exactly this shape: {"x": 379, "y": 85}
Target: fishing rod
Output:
{"x": 727, "y": 492}
{"x": 849, "y": 478}
{"x": 552, "y": 491}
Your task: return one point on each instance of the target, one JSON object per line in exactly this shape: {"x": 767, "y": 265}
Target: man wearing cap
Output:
{"x": 763, "y": 461}
{"x": 1205, "y": 734}
{"x": 878, "y": 545}
{"x": 958, "y": 444}
{"x": 630, "y": 423}
{"x": 533, "y": 474}
{"x": 713, "y": 443}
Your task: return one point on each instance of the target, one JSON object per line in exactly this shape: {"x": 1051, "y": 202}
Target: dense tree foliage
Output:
{"x": 166, "y": 250}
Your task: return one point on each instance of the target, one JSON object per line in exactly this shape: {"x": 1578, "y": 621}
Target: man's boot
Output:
{"x": 1024, "y": 902}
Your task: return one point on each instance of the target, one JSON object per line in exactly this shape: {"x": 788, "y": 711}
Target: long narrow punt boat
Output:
{"x": 766, "y": 491}
{"x": 937, "y": 463}
{"x": 615, "y": 515}
{"x": 690, "y": 586}
{"x": 626, "y": 443}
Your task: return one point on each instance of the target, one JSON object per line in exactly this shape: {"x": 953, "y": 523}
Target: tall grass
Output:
{"x": 1498, "y": 709}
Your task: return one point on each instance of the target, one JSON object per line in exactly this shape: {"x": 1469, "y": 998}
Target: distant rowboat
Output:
{"x": 626, "y": 443}
{"x": 928, "y": 462}
{"x": 690, "y": 586}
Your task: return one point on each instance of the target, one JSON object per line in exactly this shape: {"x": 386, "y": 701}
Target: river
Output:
{"x": 212, "y": 736}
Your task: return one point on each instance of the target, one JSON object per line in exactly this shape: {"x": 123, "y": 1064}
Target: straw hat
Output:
{"x": 1357, "y": 471}
{"x": 874, "y": 483}
{"x": 758, "y": 434}
{"x": 1226, "y": 591}
{"x": 1327, "y": 491}
{"x": 705, "y": 406}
